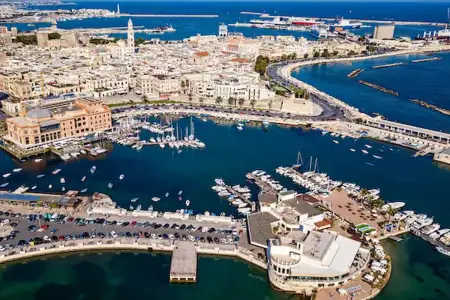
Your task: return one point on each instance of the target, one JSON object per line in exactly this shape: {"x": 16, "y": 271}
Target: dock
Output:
{"x": 355, "y": 73}
{"x": 378, "y": 87}
{"x": 388, "y": 65}
{"x": 431, "y": 106}
{"x": 183, "y": 267}
{"x": 395, "y": 238}
{"x": 264, "y": 186}
{"x": 240, "y": 196}
{"x": 426, "y": 59}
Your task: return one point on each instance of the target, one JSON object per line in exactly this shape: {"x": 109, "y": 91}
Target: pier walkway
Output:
{"x": 266, "y": 188}
{"x": 183, "y": 267}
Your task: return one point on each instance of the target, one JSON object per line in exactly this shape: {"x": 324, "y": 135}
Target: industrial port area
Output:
{"x": 76, "y": 95}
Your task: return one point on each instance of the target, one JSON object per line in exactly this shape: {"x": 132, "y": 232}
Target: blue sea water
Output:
{"x": 419, "y": 272}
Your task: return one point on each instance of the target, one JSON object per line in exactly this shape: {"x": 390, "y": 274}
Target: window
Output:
{"x": 36, "y": 140}
{"x": 27, "y": 140}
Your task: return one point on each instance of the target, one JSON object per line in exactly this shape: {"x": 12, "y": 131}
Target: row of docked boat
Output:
{"x": 233, "y": 195}
{"x": 74, "y": 154}
{"x": 267, "y": 179}
{"x": 157, "y": 128}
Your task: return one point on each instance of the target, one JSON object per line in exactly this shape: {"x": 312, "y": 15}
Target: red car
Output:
{"x": 61, "y": 238}
{"x": 132, "y": 224}
{"x": 44, "y": 226}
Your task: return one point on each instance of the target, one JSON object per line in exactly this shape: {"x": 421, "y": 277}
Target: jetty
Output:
{"x": 183, "y": 267}
{"x": 240, "y": 196}
{"x": 431, "y": 106}
{"x": 388, "y": 65}
{"x": 426, "y": 59}
{"x": 378, "y": 87}
{"x": 355, "y": 73}
{"x": 263, "y": 185}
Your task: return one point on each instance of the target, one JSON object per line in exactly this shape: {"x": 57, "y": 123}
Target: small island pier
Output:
{"x": 183, "y": 267}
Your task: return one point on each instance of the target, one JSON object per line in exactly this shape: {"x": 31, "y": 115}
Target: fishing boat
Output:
{"x": 390, "y": 149}
{"x": 156, "y": 199}
{"x": 40, "y": 176}
{"x": 364, "y": 151}
{"x": 134, "y": 200}
{"x": 188, "y": 202}
{"x": 336, "y": 142}
{"x": 377, "y": 157}
{"x": 37, "y": 160}
{"x": 84, "y": 190}
{"x": 110, "y": 185}
{"x": 180, "y": 192}
{"x": 93, "y": 169}
{"x": 121, "y": 177}
{"x": 6, "y": 175}
{"x": 353, "y": 150}
{"x": 50, "y": 186}
{"x": 17, "y": 170}
{"x": 62, "y": 180}
{"x": 167, "y": 195}
{"x": 34, "y": 187}
{"x": 56, "y": 171}
{"x": 4, "y": 184}
{"x": 83, "y": 179}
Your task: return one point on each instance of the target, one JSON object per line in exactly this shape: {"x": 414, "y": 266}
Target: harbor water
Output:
{"x": 419, "y": 272}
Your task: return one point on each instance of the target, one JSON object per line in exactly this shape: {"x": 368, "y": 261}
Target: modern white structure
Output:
{"x": 130, "y": 36}
{"x": 118, "y": 9}
{"x": 300, "y": 263}
{"x": 223, "y": 30}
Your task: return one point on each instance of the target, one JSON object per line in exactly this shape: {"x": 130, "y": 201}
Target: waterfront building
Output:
{"x": 443, "y": 156}
{"x": 301, "y": 262}
{"x": 40, "y": 126}
{"x": 165, "y": 85}
{"x": 242, "y": 45}
{"x": 383, "y": 32}
{"x": 223, "y": 30}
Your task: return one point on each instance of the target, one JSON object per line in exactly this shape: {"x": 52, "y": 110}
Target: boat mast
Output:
{"x": 315, "y": 165}
{"x": 299, "y": 159}
{"x": 310, "y": 163}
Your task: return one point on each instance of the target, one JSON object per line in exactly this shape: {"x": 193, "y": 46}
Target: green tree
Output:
{"x": 294, "y": 55}
{"x": 219, "y": 100}
{"x": 54, "y": 36}
{"x": 284, "y": 57}
{"x": 99, "y": 41}
{"x": 351, "y": 53}
{"x": 231, "y": 101}
{"x": 201, "y": 100}
{"x": 325, "y": 53}
{"x": 139, "y": 41}
{"x": 335, "y": 53}
{"x": 316, "y": 54}
{"x": 261, "y": 64}
{"x": 26, "y": 39}
{"x": 241, "y": 102}
{"x": 270, "y": 104}
{"x": 183, "y": 85}
{"x": 190, "y": 97}
{"x": 252, "y": 103}
{"x": 144, "y": 99}
{"x": 306, "y": 56}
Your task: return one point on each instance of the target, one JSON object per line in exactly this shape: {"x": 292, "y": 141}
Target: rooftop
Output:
{"x": 260, "y": 228}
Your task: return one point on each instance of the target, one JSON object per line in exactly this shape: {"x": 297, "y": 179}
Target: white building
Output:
{"x": 130, "y": 37}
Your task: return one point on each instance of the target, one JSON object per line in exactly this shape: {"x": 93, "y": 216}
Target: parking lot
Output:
{"x": 36, "y": 229}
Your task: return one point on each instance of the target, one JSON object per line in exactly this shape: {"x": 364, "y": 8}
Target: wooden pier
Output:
{"x": 261, "y": 184}
{"x": 183, "y": 267}
{"x": 395, "y": 238}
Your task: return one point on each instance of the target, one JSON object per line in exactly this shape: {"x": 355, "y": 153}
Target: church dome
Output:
{"x": 38, "y": 113}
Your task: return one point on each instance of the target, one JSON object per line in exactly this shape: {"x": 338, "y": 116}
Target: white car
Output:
{"x": 205, "y": 229}
{"x": 191, "y": 238}
{"x": 171, "y": 236}
{"x": 153, "y": 236}
{"x": 113, "y": 234}
{"x": 224, "y": 240}
{"x": 47, "y": 238}
{"x": 119, "y": 223}
{"x": 4, "y": 222}
{"x": 2, "y": 248}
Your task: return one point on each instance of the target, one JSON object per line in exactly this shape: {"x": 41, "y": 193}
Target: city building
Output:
{"x": 130, "y": 37}
{"x": 223, "y": 30}
{"x": 40, "y": 126}
{"x": 384, "y": 32}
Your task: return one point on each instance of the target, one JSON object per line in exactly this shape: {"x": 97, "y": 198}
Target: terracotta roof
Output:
{"x": 202, "y": 54}
{"x": 241, "y": 60}
{"x": 324, "y": 223}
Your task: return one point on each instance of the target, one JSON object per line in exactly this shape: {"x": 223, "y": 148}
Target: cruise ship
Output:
{"x": 346, "y": 24}
{"x": 304, "y": 22}
{"x": 319, "y": 31}
{"x": 277, "y": 21}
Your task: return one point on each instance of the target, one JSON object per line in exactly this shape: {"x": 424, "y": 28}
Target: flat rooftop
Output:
{"x": 316, "y": 244}
{"x": 260, "y": 228}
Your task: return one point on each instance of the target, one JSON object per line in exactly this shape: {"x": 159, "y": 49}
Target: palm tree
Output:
{"x": 231, "y": 101}
{"x": 219, "y": 100}
{"x": 241, "y": 102}
{"x": 190, "y": 97}
{"x": 252, "y": 103}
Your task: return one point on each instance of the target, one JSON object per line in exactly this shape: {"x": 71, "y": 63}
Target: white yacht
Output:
{"x": 431, "y": 228}
{"x": 93, "y": 169}
{"x": 156, "y": 199}
{"x": 56, "y": 171}
{"x": 121, "y": 177}
{"x": 6, "y": 175}
{"x": 62, "y": 180}
{"x": 364, "y": 151}
{"x": 17, "y": 170}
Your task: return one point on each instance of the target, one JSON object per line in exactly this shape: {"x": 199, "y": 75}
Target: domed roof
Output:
{"x": 38, "y": 113}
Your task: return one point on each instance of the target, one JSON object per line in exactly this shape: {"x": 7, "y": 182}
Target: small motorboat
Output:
{"x": 56, "y": 171}
{"x": 6, "y": 175}
{"x": 167, "y": 195}
{"x": 93, "y": 169}
{"x": 188, "y": 202}
{"x": 63, "y": 189}
{"x": 377, "y": 157}
{"x": 134, "y": 200}
{"x": 131, "y": 207}
{"x": 139, "y": 207}
{"x": 84, "y": 190}
{"x": 17, "y": 170}
{"x": 34, "y": 187}
{"x": 368, "y": 146}
{"x": 364, "y": 151}
{"x": 180, "y": 192}
{"x": 83, "y": 179}
{"x": 156, "y": 199}
{"x": 37, "y": 160}
{"x": 336, "y": 142}
{"x": 370, "y": 164}
{"x": 121, "y": 176}
{"x": 110, "y": 185}
{"x": 40, "y": 176}
{"x": 4, "y": 184}
{"x": 179, "y": 151}
{"x": 50, "y": 186}
{"x": 353, "y": 150}
{"x": 62, "y": 180}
